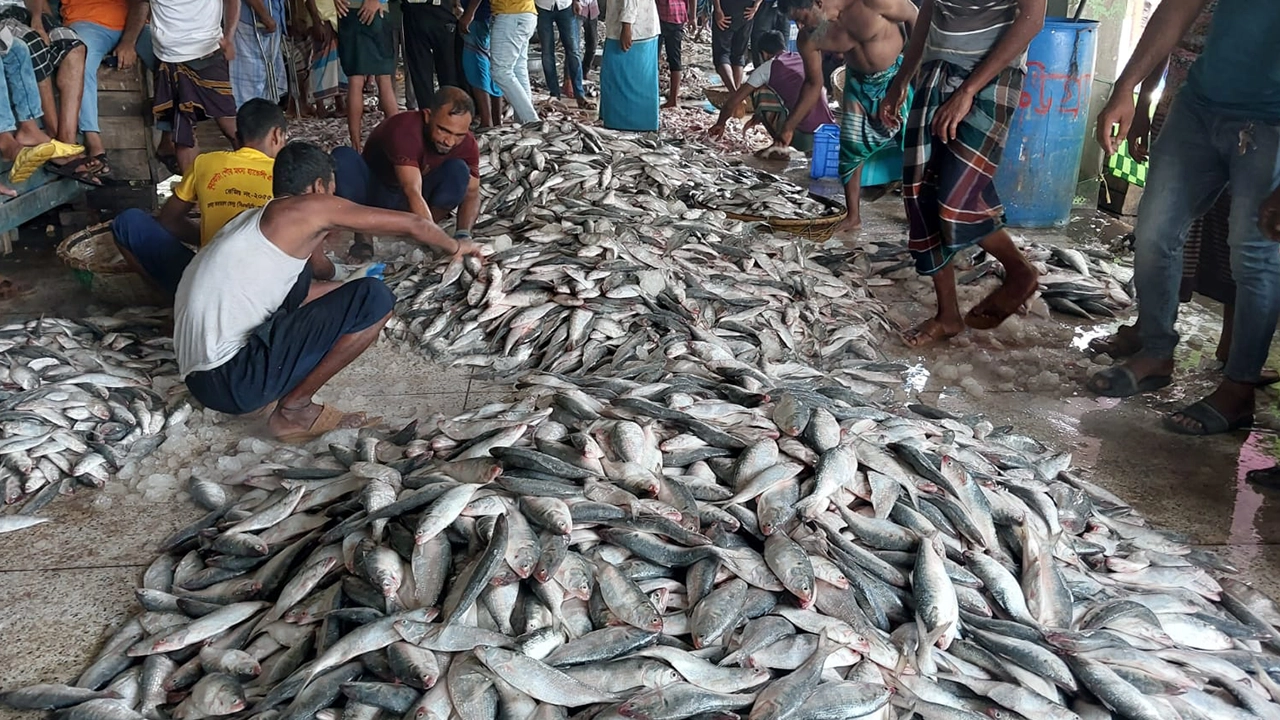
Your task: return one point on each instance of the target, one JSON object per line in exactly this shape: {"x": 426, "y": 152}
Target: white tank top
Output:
{"x": 231, "y": 287}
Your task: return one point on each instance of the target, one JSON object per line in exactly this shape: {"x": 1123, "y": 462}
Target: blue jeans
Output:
{"x": 99, "y": 41}
{"x": 548, "y": 21}
{"x": 443, "y": 188}
{"x": 509, "y": 61}
{"x": 1197, "y": 154}
{"x": 156, "y": 249}
{"x": 19, "y": 94}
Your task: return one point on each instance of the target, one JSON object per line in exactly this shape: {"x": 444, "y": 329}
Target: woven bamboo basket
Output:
{"x": 837, "y": 87}
{"x": 718, "y": 96}
{"x": 93, "y": 257}
{"x": 818, "y": 229}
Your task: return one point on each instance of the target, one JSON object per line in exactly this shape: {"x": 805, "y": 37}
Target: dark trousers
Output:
{"x": 767, "y": 18}
{"x": 549, "y": 23}
{"x": 159, "y": 253}
{"x": 430, "y": 48}
{"x": 589, "y": 43}
{"x": 443, "y": 188}
{"x": 281, "y": 352}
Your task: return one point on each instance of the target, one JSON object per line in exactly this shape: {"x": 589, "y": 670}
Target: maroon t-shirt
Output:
{"x": 402, "y": 140}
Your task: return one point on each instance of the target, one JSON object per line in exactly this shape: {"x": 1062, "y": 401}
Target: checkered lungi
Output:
{"x": 45, "y": 57}
{"x": 947, "y": 188}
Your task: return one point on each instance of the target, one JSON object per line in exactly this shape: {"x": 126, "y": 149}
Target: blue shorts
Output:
{"x": 288, "y": 346}
{"x": 443, "y": 188}
{"x": 160, "y": 254}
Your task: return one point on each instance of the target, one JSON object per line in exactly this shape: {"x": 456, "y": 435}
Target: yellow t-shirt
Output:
{"x": 511, "y": 7}
{"x": 224, "y": 184}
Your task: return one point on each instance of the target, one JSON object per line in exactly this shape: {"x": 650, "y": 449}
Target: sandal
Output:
{"x": 330, "y": 418}
{"x": 1122, "y": 383}
{"x": 104, "y": 168}
{"x": 30, "y": 159}
{"x": 75, "y": 170}
{"x": 1207, "y": 416}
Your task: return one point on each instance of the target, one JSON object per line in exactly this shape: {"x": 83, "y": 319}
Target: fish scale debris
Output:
{"x": 716, "y": 513}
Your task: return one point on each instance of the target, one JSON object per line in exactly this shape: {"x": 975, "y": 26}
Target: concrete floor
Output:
{"x": 63, "y": 584}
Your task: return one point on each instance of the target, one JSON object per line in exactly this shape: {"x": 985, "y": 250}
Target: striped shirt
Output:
{"x": 962, "y": 32}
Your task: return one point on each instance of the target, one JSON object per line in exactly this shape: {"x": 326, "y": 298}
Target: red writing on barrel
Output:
{"x": 1037, "y": 90}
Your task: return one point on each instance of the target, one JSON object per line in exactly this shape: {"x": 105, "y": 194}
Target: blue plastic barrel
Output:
{"x": 1041, "y": 163}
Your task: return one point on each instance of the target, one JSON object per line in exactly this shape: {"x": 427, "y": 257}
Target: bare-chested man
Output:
{"x": 870, "y": 34}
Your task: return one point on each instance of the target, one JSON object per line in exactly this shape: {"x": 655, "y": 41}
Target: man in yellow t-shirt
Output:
{"x": 222, "y": 184}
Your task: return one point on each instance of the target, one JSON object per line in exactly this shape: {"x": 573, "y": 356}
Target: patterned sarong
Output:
{"x": 947, "y": 188}
{"x": 258, "y": 71}
{"x": 189, "y": 92}
{"x": 475, "y": 58}
{"x": 327, "y": 78}
{"x": 629, "y": 95}
{"x": 861, "y": 133}
{"x": 769, "y": 108}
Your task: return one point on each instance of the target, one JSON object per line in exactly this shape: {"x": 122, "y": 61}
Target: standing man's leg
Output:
{"x": 672, "y": 34}
{"x": 572, "y": 55}
{"x": 547, "y": 48}
{"x": 741, "y": 39}
{"x": 420, "y": 50}
{"x": 1255, "y": 265}
{"x": 508, "y": 42}
{"x": 98, "y": 42}
{"x": 721, "y": 54}
{"x": 527, "y": 23}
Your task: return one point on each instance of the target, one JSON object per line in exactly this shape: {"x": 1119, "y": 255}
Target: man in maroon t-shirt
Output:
{"x": 424, "y": 162}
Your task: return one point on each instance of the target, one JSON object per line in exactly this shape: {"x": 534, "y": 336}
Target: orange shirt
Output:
{"x": 110, "y": 14}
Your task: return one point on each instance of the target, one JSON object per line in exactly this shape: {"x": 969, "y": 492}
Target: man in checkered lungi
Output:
{"x": 57, "y": 55}
{"x": 971, "y": 55}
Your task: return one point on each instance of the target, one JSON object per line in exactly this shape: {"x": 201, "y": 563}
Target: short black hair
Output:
{"x": 256, "y": 118}
{"x": 786, "y": 7}
{"x": 298, "y": 166}
{"x": 451, "y": 100}
{"x": 772, "y": 42}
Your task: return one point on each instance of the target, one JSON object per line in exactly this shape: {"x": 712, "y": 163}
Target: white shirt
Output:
{"x": 760, "y": 76}
{"x": 233, "y": 285}
{"x": 553, "y": 4}
{"x": 183, "y": 30}
{"x": 642, "y": 14}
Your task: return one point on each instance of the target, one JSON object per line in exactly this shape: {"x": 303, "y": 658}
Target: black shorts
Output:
{"x": 729, "y": 47}
{"x": 366, "y": 49}
{"x": 672, "y": 35}
{"x": 288, "y": 346}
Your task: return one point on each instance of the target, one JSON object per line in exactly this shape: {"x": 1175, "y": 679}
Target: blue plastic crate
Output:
{"x": 884, "y": 167}
{"x": 825, "y": 161}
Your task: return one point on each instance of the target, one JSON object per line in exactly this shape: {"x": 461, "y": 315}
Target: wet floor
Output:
{"x": 65, "y": 583}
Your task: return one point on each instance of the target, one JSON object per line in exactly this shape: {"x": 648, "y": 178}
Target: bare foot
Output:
{"x": 1018, "y": 287}
{"x": 670, "y": 104}
{"x": 932, "y": 331}
{"x": 851, "y": 224}
{"x": 7, "y": 191}
{"x": 30, "y": 135}
{"x": 1124, "y": 343}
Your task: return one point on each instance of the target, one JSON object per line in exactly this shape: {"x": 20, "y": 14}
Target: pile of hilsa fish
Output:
{"x": 534, "y": 169}
{"x": 77, "y": 403}
{"x": 672, "y": 545}
{"x": 600, "y": 262}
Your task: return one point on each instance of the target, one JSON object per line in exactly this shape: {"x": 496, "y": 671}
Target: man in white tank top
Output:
{"x": 251, "y": 327}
